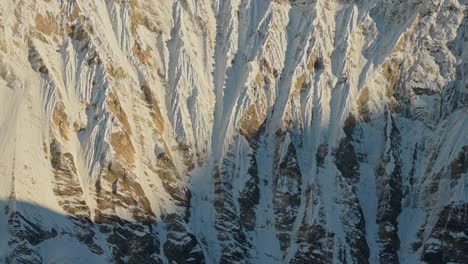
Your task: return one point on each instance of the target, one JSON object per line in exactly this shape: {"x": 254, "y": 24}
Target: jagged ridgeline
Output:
{"x": 233, "y": 131}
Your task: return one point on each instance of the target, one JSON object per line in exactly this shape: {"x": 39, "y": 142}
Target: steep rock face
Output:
{"x": 220, "y": 131}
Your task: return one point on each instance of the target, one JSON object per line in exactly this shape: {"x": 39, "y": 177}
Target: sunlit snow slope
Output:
{"x": 233, "y": 131}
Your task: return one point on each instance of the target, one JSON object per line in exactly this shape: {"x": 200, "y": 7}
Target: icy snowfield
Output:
{"x": 233, "y": 131}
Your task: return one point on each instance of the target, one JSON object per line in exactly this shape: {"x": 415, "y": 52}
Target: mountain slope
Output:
{"x": 218, "y": 131}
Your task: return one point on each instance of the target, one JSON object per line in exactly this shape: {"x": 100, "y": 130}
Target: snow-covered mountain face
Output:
{"x": 233, "y": 131}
